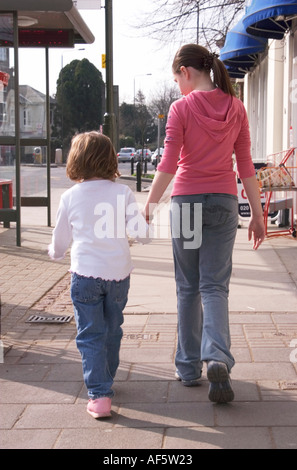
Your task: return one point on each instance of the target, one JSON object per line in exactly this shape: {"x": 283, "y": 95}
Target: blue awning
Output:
{"x": 270, "y": 18}
{"x": 241, "y": 49}
{"x": 235, "y": 72}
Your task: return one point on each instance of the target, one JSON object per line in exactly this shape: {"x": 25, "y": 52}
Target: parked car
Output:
{"x": 126, "y": 153}
{"x": 155, "y": 155}
{"x": 146, "y": 155}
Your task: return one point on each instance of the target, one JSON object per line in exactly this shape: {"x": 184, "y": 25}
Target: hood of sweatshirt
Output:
{"x": 214, "y": 111}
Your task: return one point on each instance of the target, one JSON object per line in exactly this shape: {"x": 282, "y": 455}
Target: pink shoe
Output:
{"x": 99, "y": 408}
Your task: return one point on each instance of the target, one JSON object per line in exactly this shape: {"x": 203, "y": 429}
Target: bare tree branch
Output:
{"x": 179, "y": 20}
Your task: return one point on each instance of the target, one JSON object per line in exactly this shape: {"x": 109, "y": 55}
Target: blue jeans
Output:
{"x": 202, "y": 275}
{"x": 98, "y": 308}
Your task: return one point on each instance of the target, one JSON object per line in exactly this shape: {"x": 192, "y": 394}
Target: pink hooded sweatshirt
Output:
{"x": 203, "y": 130}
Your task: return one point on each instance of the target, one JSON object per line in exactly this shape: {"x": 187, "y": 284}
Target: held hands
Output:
{"x": 148, "y": 218}
{"x": 147, "y": 214}
{"x": 256, "y": 231}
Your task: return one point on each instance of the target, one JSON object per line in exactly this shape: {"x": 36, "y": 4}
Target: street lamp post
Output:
{"x": 138, "y": 164}
{"x": 109, "y": 125}
{"x": 198, "y": 15}
{"x": 140, "y": 75}
{"x": 134, "y": 102}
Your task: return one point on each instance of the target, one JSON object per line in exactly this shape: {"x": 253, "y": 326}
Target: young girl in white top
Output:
{"x": 95, "y": 215}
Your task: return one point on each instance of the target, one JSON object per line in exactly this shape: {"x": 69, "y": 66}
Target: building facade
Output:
{"x": 270, "y": 96}
{"x": 261, "y": 51}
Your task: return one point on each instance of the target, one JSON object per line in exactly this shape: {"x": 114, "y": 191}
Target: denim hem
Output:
{"x": 188, "y": 380}
{"x": 108, "y": 395}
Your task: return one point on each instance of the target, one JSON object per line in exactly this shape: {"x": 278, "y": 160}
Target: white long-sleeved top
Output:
{"x": 96, "y": 216}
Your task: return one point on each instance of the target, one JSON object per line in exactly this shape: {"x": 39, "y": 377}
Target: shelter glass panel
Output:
{"x": 7, "y": 124}
{"x": 33, "y": 172}
{"x": 32, "y": 93}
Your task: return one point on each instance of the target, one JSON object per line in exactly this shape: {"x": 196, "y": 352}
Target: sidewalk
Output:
{"x": 43, "y": 398}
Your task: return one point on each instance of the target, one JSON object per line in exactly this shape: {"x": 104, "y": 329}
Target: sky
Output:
{"x": 139, "y": 61}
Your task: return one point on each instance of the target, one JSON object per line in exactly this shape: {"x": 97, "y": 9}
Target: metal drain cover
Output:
{"x": 52, "y": 319}
{"x": 141, "y": 336}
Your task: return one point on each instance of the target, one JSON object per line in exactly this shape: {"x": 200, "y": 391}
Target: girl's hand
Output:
{"x": 256, "y": 231}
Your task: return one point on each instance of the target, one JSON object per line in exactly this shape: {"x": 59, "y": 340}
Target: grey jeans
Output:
{"x": 202, "y": 274}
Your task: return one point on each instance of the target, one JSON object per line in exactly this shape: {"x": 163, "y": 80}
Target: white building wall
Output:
{"x": 270, "y": 97}
{"x": 293, "y": 87}
{"x": 255, "y": 100}
{"x": 293, "y": 104}
{"x": 288, "y": 69}
{"x": 275, "y": 102}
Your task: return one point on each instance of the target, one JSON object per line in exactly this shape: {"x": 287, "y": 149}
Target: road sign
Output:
{"x": 104, "y": 61}
{"x": 87, "y": 4}
{"x": 244, "y": 209}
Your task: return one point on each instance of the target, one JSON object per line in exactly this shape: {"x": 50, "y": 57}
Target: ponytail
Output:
{"x": 221, "y": 78}
{"x": 198, "y": 57}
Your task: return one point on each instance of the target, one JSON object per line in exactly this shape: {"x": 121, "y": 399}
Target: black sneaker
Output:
{"x": 220, "y": 389}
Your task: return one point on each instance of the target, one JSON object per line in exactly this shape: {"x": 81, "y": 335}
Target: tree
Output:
{"x": 126, "y": 125}
{"x": 160, "y": 104}
{"x": 144, "y": 125}
{"x": 80, "y": 93}
{"x": 137, "y": 126}
{"x": 203, "y": 21}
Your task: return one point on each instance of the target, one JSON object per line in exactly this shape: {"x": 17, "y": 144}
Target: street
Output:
{"x": 33, "y": 178}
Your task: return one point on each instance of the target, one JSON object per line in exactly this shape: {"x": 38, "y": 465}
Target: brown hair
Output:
{"x": 91, "y": 155}
{"x": 198, "y": 57}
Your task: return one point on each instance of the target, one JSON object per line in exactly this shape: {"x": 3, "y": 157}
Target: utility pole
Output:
{"x": 198, "y": 15}
{"x": 109, "y": 124}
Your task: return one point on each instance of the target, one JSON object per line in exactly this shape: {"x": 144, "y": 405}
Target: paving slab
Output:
{"x": 26, "y": 438}
{"x": 257, "y": 414}
{"x": 285, "y": 437}
{"x": 166, "y": 415}
{"x": 112, "y": 439}
{"x": 218, "y": 438}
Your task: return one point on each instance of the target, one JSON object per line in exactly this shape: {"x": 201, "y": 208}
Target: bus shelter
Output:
{"x": 24, "y": 117}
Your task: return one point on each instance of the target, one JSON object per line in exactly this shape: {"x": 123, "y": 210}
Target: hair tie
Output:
{"x": 208, "y": 60}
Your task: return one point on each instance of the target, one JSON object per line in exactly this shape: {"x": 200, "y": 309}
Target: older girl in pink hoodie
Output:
{"x": 204, "y": 129}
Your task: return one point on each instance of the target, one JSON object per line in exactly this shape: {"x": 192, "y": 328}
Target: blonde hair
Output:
{"x": 91, "y": 155}
{"x": 198, "y": 57}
